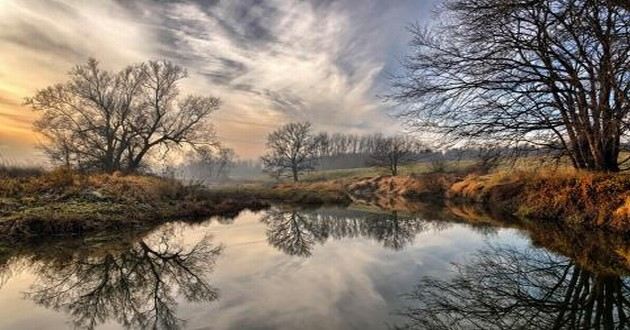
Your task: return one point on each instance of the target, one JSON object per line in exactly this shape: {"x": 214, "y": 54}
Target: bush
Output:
{"x": 17, "y": 171}
{"x": 438, "y": 165}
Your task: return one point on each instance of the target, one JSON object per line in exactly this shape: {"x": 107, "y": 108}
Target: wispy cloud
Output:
{"x": 270, "y": 61}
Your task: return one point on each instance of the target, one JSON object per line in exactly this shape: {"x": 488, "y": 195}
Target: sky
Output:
{"x": 271, "y": 62}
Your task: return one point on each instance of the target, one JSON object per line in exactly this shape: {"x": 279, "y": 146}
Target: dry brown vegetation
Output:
{"x": 303, "y": 193}
{"x": 576, "y": 197}
{"x": 421, "y": 186}
{"x": 63, "y": 201}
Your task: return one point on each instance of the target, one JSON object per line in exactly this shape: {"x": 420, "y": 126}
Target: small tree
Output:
{"x": 391, "y": 152}
{"x": 292, "y": 150}
{"x": 438, "y": 164}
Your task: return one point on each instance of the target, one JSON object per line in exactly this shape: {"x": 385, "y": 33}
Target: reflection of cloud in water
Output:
{"x": 353, "y": 278}
{"x": 350, "y": 281}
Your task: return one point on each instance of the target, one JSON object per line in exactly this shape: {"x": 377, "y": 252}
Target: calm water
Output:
{"x": 328, "y": 268}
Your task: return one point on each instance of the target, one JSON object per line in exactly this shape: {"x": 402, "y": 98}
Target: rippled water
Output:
{"x": 328, "y": 268}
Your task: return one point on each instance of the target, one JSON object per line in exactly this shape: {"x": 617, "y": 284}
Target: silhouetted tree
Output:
{"x": 110, "y": 121}
{"x": 292, "y": 150}
{"x": 551, "y": 73}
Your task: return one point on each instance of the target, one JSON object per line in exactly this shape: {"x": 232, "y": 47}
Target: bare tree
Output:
{"x": 292, "y": 150}
{"x": 551, "y": 73}
{"x": 102, "y": 120}
{"x": 391, "y": 152}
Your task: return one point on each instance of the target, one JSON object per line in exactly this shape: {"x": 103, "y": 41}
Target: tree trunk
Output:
{"x": 295, "y": 175}
{"x": 607, "y": 162}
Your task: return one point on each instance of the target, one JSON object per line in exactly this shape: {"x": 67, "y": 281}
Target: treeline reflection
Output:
{"x": 296, "y": 232}
{"x": 503, "y": 287}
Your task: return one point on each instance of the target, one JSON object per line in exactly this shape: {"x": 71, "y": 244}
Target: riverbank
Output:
{"x": 558, "y": 195}
{"x": 64, "y": 202}
{"x": 586, "y": 199}
{"x": 596, "y": 200}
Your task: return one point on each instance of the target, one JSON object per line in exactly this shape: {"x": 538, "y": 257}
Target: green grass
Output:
{"x": 408, "y": 169}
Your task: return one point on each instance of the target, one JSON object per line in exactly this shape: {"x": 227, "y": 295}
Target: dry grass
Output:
{"x": 64, "y": 183}
{"x": 561, "y": 193}
{"x": 63, "y": 202}
{"x": 305, "y": 193}
{"x": 580, "y": 197}
{"x": 420, "y": 186}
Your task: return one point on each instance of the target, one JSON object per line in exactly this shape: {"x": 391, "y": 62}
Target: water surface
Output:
{"x": 327, "y": 268}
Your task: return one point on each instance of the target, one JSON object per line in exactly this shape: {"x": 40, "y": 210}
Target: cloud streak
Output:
{"x": 270, "y": 61}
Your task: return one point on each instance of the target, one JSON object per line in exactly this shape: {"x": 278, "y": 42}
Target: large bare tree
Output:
{"x": 292, "y": 150}
{"x": 109, "y": 121}
{"x": 552, "y": 73}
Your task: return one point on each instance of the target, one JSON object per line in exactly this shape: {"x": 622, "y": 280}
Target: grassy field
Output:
{"x": 407, "y": 169}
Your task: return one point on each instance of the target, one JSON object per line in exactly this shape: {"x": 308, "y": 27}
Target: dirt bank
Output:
{"x": 588, "y": 199}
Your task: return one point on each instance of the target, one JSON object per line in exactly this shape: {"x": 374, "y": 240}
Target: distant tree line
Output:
{"x": 246, "y": 168}
{"x": 338, "y": 151}
{"x": 208, "y": 164}
{"x": 294, "y": 149}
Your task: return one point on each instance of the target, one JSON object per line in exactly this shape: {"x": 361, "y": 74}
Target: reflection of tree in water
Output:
{"x": 135, "y": 287}
{"x": 510, "y": 288}
{"x": 295, "y": 232}
{"x": 292, "y": 232}
{"x": 393, "y": 231}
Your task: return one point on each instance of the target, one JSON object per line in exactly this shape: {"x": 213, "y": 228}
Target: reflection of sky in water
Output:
{"x": 345, "y": 283}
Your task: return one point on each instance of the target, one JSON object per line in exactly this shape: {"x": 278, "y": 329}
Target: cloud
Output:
{"x": 271, "y": 61}
{"x": 299, "y": 61}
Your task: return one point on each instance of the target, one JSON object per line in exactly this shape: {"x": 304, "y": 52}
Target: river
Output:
{"x": 327, "y": 268}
